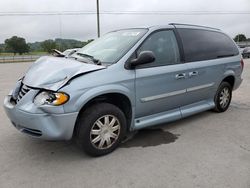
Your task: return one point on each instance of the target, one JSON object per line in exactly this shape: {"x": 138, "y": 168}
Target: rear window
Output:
{"x": 202, "y": 45}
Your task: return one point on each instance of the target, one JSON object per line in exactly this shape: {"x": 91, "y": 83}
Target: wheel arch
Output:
{"x": 121, "y": 98}
{"x": 230, "y": 78}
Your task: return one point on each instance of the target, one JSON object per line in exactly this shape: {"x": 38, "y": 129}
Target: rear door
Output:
{"x": 206, "y": 54}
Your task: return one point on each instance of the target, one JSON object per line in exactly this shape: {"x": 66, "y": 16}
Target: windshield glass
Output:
{"x": 111, "y": 47}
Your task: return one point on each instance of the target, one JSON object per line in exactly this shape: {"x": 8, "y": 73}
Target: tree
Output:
{"x": 240, "y": 38}
{"x": 16, "y": 45}
{"x": 48, "y": 45}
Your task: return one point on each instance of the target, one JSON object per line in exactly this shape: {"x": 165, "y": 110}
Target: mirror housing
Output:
{"x": 143, "y": 58}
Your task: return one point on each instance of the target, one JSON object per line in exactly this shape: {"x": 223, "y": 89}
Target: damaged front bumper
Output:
{"x": 27, "y": 118}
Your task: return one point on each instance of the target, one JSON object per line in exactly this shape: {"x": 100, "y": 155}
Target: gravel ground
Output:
{"x": 205, "y": 150}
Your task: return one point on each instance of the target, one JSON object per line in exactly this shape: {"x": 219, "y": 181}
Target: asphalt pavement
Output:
{"x": 206, "y": 150}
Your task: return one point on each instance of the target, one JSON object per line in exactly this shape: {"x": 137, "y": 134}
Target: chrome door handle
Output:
{"x": 194, "y": 73}
{"x": 180, "y": 76}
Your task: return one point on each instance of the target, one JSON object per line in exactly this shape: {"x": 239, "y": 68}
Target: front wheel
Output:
{"x": 100, "y": 129}
{"x": 223, "y": 97}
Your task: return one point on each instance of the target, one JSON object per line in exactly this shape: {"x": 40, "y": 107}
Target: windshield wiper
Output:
{"x": 95, "y": 61}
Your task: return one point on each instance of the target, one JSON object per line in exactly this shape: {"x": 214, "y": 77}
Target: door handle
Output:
{"x": 180, "y": 76}
{"x": 194, "y": 73}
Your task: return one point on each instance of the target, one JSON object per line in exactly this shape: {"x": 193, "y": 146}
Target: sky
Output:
{"x": 83, "y": 27}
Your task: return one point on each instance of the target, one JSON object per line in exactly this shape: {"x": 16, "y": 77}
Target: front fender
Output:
{"x": 101, "y": 90}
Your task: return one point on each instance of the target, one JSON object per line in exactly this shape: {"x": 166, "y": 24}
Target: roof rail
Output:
{"x": 193, "y": 25}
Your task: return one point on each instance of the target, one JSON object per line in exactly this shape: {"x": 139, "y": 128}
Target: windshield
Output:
{"x": 111, "y": 47}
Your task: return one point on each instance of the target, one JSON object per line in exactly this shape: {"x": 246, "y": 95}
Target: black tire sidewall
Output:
{"x": 86, "y": 121}
{"x": 218, "y": 107}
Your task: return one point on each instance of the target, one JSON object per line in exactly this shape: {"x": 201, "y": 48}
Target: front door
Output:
{"x": 160, "y": 86}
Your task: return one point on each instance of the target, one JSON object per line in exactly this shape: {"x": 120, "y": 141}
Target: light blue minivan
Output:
{"x": 124, "y": 81}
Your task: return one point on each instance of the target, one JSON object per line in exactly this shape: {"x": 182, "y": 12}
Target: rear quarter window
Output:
{"x": 202, "y": 45}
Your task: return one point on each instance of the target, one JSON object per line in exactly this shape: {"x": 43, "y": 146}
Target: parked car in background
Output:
{"x": 246, "y": 52}
{"x": 241, "y": 49}
{"x": 124, "y": 81}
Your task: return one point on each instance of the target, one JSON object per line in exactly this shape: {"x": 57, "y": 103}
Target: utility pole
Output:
{"x": 98, "y": 18}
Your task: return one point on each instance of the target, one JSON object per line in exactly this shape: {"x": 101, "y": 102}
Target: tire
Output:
{"x": 223, "y": 97}
{"x": 93, "y": 134}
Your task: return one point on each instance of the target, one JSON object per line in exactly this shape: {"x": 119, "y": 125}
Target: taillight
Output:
{"x": 242, "y": 64}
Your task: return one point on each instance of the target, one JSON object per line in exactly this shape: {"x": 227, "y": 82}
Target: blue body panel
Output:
{"x": 155, "y": 94}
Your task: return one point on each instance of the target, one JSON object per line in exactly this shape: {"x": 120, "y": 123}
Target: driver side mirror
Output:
{"x": 143, "y": 58}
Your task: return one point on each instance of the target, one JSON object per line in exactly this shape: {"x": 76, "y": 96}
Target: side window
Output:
{"x": 164, "y": 45}
{"x": 202, "y": 45}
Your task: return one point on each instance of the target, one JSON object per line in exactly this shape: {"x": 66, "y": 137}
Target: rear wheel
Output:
{"x": 100, "y": 129}
{"x": 223, "y": 97}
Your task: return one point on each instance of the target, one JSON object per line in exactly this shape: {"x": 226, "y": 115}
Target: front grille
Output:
{"x": 23, "y": 91}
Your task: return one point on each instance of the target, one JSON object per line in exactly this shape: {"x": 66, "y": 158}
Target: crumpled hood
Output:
{"x": 54, "y": 72}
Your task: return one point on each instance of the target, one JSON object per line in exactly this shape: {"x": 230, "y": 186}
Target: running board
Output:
{"x": 172, "y": 115}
